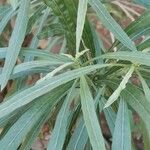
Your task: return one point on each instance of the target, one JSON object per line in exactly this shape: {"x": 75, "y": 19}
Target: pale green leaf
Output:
{"x": 134, "y": 57}
{"x": 80, "y": 136}
{"x": 122, "y": 132}
{"x": 121, "y": 87}
{"x": 136, "y": 99}
{"x": 16, "y": 41}
{"x": 110, "y": 114}
{"x": 10, "y": 13}
{"x": 111, "y": 24}
{"x": 90, "y": 117}
{"x": 145, "y": 87}
{"x": 19, "y": 129}
{"x": 82, "y": 8}
{"x": 14, "y": 3}
{"x": 26, "y": 96}
{"x": 60, "y": 129}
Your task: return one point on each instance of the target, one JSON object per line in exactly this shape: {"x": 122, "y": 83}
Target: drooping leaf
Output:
{"x": 90, "y": 118}
{"x": 122, "y": 132}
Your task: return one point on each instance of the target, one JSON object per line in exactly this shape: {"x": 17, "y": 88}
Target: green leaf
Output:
{"x": 146, "y": 135}
{"x": 121, "y": 87}
{"x": 15, "y": 41}
{"x": 109, "y": 113}
{"x": 26, "y": 96}
{"x": 35, "y": 40}
{"x": 145, "y": 3}
{"x": 99, "y": 47}
{"x": 137, "y": 28}
{"x": 122, "y": 133}
{"x": 134, "y": 57}
{"x": 51, "y": 30}
{"x": 60, "y": 129}
{"x": 30, "y": 66}
{"x": 14, "y": 3}
{"x": 10, "y": 13}
{"x": 111, "y": 24}
{"x": 136, "y": 99}
{"x": 82, "y": 8}
{"x": 80, "y": 136}
{"x": 24, "y": 124}
{"x": 40, "y": 54}
{"x": 4, "y": 9}
{"x": 90, "y": 117}
{"x": 145, "y": 86}
{"x": 34, "y": 18}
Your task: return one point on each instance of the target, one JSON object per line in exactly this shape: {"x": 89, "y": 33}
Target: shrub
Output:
{"x": 83, "y": 80}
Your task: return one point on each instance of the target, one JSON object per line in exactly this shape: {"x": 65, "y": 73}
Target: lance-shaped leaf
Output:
{"x": 111, "y": 24}
{"x": 10, "y": 13}
{"x": 14, "y": 3}
{"x": 122, "y": 132}
{"x": 26, "y": 96}
{"x": 122, "y": 86}
{"x": 134, "y": 57}
{"x": 80, "y": 136}
{"x": 145, "y": 87}
{"x": 90, "y": 117}
{"x": 24, "y": 124}
{"x": 60, "y": 129}
{"x": 82, "y": 8}
{"x": 16, "y": 41}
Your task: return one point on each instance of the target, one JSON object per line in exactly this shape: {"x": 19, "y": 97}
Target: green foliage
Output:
{"x": 84, "y": 79}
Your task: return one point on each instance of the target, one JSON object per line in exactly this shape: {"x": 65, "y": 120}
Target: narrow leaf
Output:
{"x": 121, "y": 87}
{"x": 134, "y": 57}
{"x": 122, "y": 133}
{"x": 145, "y": 87}
{"x": 82, "y": 8}
{"x": 15, "y": 41}
{"x": 14, "y": 3}
{"x": 90, "y": 117}
{"x": 111, "y": 24}
{"x": 80, "y": 136}
{"x": 6, "y": 19}
{"x": 22, "y": 126}
{"x": 26, "y": 96}
{"x": 60, "y": 129}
